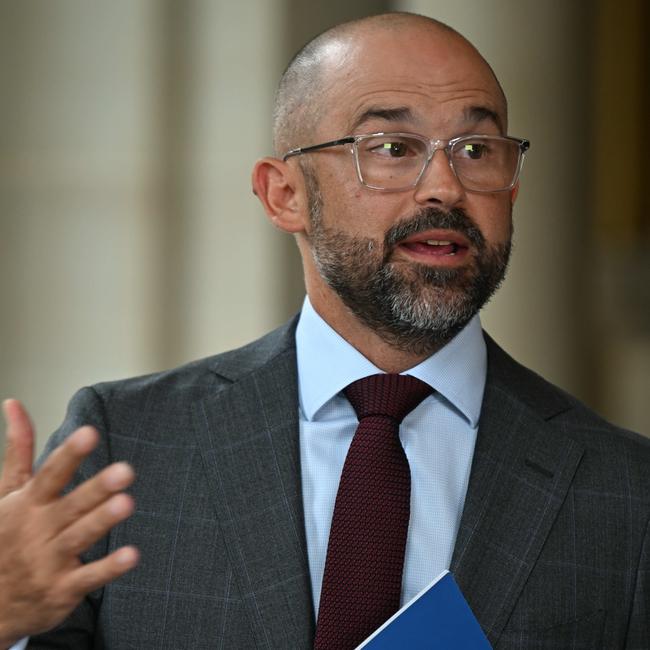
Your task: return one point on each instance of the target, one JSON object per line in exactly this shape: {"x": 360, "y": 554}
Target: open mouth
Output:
{"x": 434, "y": 247}
{"x": 437, "y": 246}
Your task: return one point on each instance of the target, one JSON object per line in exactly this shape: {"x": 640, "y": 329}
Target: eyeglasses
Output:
{"x": 391, "y": 162}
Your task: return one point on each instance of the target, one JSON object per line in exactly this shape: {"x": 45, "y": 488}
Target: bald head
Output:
{"x": 308, "y": 86}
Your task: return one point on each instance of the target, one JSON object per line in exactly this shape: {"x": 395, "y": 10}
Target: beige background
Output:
{"x": 130, "y": 240}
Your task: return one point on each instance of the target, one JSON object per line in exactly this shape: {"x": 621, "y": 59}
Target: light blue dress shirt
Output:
{"x": 21, "y": 645}
{"x": 438, "y": 437}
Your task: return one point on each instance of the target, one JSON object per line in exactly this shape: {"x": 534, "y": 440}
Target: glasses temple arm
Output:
{"x": 316, "y": 147}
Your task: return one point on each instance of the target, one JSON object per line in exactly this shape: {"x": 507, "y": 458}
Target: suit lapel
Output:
{"x": 248, "y": 435}
{"x": 521, "y": 471}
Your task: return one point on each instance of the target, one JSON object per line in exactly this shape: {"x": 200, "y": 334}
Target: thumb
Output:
{"x": 19, "y": 451}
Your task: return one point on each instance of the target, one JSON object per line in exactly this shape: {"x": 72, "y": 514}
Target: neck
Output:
{"x": 376, "y": 349}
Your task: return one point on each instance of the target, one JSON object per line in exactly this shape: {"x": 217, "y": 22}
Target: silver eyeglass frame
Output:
{"x": 432, "y": 146}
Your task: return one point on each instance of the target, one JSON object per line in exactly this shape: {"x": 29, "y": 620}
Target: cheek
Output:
{"x": 361, "y": 213}
{"x": 492, "y": 215}
{"x": 351, "y": 207}
{"x": 347, "y": 205}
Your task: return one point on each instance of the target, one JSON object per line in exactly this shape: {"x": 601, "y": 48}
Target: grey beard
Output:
{"x": 415, "y": 308}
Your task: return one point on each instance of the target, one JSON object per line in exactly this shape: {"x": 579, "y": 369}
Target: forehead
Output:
{"x": 437, "y": 75}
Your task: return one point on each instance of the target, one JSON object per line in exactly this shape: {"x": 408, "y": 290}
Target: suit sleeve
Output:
{"x": 77, "y": 632}
{"x": 638, "y": 633}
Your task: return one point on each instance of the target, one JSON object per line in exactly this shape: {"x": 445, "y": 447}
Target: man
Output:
{"x": 402, "y": 215}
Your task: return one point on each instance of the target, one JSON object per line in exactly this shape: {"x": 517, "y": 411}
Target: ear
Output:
{"x": 280, "y": 189}
{"x": 514, "y": 192}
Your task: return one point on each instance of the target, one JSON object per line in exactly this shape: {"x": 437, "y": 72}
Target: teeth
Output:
{"x": 437, "y": 242}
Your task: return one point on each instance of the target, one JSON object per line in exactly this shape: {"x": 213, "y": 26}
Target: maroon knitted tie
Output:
{"x": 365, "y": 554}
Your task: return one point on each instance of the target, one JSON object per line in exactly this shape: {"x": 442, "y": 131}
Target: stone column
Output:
{"x": 79, "y": 217}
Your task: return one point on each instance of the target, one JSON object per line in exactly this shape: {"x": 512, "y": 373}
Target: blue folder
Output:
{"x": 438, "y": 617}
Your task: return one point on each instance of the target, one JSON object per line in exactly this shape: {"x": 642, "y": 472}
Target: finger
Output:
{"x": 59, "y": 468}
{"x": 82, "y": 534}
{"x": 94, "y": 575}
{"x": 91, "y": 494}
{"x": 19, "y": 451}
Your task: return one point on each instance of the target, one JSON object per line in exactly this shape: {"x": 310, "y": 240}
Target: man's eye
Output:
{"x": 392, "y": 149}
{"x": 474, "y": 150}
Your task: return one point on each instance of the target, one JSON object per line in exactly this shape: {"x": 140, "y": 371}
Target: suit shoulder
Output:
{"x": 202, "y": 375}
{"x": 159, "y": 405}
{"x": 195, "y": 376}
{"x": 560, "y": 407}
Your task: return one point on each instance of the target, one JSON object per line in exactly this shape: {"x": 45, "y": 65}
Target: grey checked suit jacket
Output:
{"x": 553, "y": 549}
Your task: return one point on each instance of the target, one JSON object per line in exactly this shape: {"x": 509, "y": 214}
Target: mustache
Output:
{"x": 430, "y": 219}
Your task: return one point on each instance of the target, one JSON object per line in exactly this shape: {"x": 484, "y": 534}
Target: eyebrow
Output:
{"x": 473, "y": 114}
{"x": 397, "y": 114}
{"x": 481, "y": 113}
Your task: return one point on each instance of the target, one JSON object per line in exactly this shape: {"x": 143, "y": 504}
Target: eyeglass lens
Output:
{"x": 480, "y": 163}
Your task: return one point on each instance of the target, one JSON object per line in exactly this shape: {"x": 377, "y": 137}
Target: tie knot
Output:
{"x": 387, "y": 395}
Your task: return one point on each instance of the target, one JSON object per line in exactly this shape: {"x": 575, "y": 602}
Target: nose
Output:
{"x": 439, "y": 184}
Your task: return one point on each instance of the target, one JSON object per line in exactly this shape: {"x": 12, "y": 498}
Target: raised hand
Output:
{"x": 42, "y": 532}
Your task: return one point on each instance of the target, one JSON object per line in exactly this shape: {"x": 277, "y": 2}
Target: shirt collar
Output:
{"x": 327, "y": 363}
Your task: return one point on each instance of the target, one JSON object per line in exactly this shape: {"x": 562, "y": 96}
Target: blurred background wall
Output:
{"x": 130, "y": 240}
